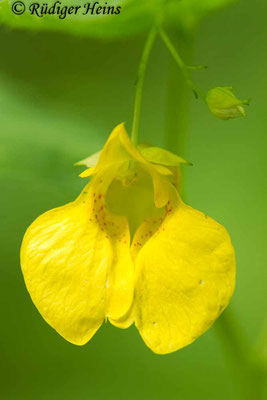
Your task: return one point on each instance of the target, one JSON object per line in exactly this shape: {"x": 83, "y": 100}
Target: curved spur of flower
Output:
{"x": 128, "y": 249}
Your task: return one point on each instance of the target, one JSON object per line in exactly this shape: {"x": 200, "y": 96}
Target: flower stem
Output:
{"x": 179, "y": 61}
{"x": 140, "y": 83}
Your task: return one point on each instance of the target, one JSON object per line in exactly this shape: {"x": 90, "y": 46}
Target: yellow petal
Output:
{"x": 118, "y": 150}
{"x": 90, "y": 161}
{"x": 160, "y": 184}
{"x": 77, "y": 266}
{"x": 88, "y": 172}
{"x": 126, "y": 320}
{"x": 162, "y": 170}
{"x": 147, "y": 229}
{"x": 114, "y": 151}
{"x": 120, "y": 284}
{"x": 145, "y": 232}
{"x": 161, "y": 187}
{"x": 65, "y": 261}
{"x": 185, "y": 277}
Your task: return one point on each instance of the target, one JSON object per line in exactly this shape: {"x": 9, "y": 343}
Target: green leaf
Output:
{"x": 135, "y": 16}
{"x": 160, "y": 156}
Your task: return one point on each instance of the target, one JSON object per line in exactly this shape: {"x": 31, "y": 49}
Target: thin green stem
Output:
{"x": 140, "y": 83}
{"x": 181, "y": 64}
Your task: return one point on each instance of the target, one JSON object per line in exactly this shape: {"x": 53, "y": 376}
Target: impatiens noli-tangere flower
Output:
{"x": 129, "y": 250}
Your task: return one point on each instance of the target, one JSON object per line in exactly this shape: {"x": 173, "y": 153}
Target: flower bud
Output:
{"x": 223, "y": 104}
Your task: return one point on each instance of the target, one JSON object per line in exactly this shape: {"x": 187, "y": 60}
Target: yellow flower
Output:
{"x": 129, "y": 250}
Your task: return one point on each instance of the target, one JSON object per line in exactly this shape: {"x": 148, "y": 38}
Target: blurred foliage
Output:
{"x": 135, "y": 17}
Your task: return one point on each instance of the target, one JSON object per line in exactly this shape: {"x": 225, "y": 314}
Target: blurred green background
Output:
{"x": 60, "y": 96}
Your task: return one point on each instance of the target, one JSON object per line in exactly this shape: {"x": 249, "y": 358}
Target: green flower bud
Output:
{"x": 223, "y": 104}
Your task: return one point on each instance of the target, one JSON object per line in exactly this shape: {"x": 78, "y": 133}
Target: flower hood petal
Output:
{"x": 118, "y": 150}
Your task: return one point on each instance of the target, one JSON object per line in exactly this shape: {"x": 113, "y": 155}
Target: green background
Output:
{"x": 60, "y": 96}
